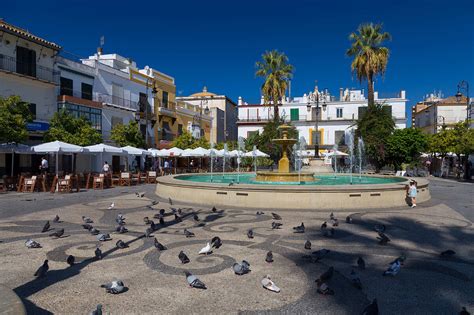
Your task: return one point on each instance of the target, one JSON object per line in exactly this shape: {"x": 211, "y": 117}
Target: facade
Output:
{"x": 435, "y": 113}
{"x": 335, "y": 115}
{"x": 222, "y": 110}
{"x": 28, "y": 69}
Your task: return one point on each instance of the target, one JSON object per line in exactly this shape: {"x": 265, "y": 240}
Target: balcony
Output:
{"x": 116, "y": 101}
{"x": 254, "y": 120}
{"x": 77, "y": 98}
{"x": 30, "y": 70}
{"x": 167, "y": 109}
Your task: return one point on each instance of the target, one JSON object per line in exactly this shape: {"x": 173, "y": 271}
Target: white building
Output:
{"x": 27, "y": 69}
{"x": 335, "y": 115}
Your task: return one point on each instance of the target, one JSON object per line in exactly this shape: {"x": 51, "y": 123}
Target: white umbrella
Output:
{"x": 337, "y": 153}
{"x": 214, "y": 152}
{"x": 57, "y": 147}
{"x": 257, "y": 153}
{"x": 13, "y": 147}
{"x": 201, "y": 151}
{"x": 236, "y": 153}
{"x": 156, "y": 153}
{"x": 135, "y": 151}
{"x": 175, "y": 151}
{"x": 101, "y": 148}
{"x": 188, "y": 153}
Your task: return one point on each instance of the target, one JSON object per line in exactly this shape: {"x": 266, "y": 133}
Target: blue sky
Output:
{"x": 216, "y": 43}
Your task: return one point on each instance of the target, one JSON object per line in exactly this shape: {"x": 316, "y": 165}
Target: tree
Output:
{"x": 441, "y": 142}
{"x": 129, "y": 134}
{"x": 405, "y": 146}
{"x": 375, "y": 126}
{"x": 14, "y": 115}
{"x": 276, "y": 71}
{"x": 463, "y": 144}
{"x": 67, "y": 128}
{"x": 187, "y": 141}
{"x": 370, "y": 58}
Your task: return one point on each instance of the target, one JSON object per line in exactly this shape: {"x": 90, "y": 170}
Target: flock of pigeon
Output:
{"x": 328, "y": 229}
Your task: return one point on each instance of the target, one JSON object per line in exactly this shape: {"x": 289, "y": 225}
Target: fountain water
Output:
{"x": 301, "y": 147}
{"x": 334, "y": 149}
{"x": 254, "y": 154}
{"x": 211, "y": 155}
{"x": 240, "y": 148}
{"x": 349, "y": 135}
{"x": 223, "y": 160}
{"x": 361, "y": 150}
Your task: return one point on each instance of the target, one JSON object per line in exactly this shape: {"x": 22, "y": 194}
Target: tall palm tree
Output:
{"x": 370, "y": 57}
{"x": 276, "y": 71}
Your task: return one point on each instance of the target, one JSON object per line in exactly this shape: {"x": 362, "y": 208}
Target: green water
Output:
{"x": 339, "y": 179}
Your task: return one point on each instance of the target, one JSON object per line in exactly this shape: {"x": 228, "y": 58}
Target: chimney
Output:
{"x": 262, "y": 100}
{"x": 341, "y": 94}
{"x": 99, "y": 51}
{"x": 240, "y": 102}
{"x": 402, "y": 94}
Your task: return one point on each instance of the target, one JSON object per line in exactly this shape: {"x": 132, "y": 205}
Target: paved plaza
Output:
{"x": 426, "y": 284}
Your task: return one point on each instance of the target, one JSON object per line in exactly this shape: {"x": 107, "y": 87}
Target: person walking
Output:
{"x": 44, "y": 166}
{"x": 106, "y": 168}
{"x": 412, "y": 192}
{"x": 166, "y": 166}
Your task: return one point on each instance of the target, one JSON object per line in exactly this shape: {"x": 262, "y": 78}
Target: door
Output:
{"x": 115, "y": 164}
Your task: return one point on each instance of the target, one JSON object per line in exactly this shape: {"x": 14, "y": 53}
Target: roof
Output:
{"x": 9, "y": 28}
{"x": 204, "y": 93}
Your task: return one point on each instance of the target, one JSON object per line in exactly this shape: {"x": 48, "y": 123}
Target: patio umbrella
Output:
{"x": 57, "y": 147}
{"x": 101, "y": 148}
{"x": 13, "y": 147}
{"x": 258, "y": 153}
{"x": 337, "y": 153}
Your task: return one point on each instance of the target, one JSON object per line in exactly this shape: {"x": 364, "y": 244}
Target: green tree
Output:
{"x": 187, "y": 141}
{"x": 375, "y": 126}
{"x": 463, "y": 145}
{"x": 14, "y": 115}
{"x": 201, "y": 142}
{"x": 405, "y": 146}
{"x": 441, "y": 142}
{"x": 276, "y": 71}
{"x": 370, "y": 57}
{"x": 67, "y": 128}
{"x": 129, "y": 134}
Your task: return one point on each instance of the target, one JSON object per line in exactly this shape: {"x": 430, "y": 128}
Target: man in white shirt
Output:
{"x": 106, "y": 168}
{"x": 44, "y": 166}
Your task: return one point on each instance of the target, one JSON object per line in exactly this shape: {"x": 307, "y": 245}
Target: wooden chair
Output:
{"x": 151, "y": 177}
{"x": 64, "y": 185}
{"x": 125, "y": 179}
{"x": 30, "y": 184}
{"x": 98, "y": 182}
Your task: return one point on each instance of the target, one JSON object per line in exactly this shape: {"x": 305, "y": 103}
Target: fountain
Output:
{"x": 211, "y": 154}
{"x": 223, "y": 159}
{"x": 283, "y": 173}
{"x": 240, "y": 148}
{"x": 360, "y": 148}
{"x": 254, "y": 155}
{"x": 350, "y": 145}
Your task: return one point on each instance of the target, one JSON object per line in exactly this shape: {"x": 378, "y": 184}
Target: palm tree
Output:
{"x": 370, "y": 58}
{"x": 276, "y": 71}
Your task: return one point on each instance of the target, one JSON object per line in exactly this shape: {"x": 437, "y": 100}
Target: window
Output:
{"x": 32, "y": 108}
{"x": 388, "y": 109}
{"x": 94, "y": 115}
{"x": 116, "y": 121}
{"x": 252, "y": 133}
{"x": 315, "y": 135}
{"x": 339, "y": 137}
{"x": 315, "y": 112}
{"x": 361, "y": 111}
{"x": 165, "y": 99}
{"x": 294, "y": 114}
{"x": 26, "y": 61}
{"x": 66, "y": 86}
{"x": 180, "y": 129}
{"x": 86, "y": 91}
{"x": 143, "y": 102}
{"x": 339, "y": 112}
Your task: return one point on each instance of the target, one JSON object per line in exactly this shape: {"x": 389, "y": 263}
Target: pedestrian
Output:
{"x": 166, "y": 167}
{"x": 412, "y": 192}
{"x": 170, "y": 165}
{"x": 106, "y": 168}
{"x": 44, "y": 166}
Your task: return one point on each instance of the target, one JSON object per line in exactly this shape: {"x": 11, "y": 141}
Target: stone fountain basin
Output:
{"x": 293, "y": 177}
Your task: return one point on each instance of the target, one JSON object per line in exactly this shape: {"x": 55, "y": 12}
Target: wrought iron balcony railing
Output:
{"x": 28, "y": 69}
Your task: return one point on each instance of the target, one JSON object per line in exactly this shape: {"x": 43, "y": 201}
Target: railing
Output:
{"x": 115, "y": 100}
{"x": 33, "y": 70}
{"x": 387, "y": 95}
{"x": 254, "y": 119}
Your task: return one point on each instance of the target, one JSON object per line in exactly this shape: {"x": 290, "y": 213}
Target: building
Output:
{"x": 222, "y": 110}
{"x": 28, "y": 69}
{"x": 434, "y": 113}
{"x": 335, "y": 115}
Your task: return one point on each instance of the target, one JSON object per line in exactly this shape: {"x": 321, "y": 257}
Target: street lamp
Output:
{"x": 313, "y": 98}
{"x": 206, "y": 112}
{"x": 464, "y": 86}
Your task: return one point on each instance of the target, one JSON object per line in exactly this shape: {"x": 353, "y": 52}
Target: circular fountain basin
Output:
{"x": 327, "y": 192}
{"x": 287, "y": 177}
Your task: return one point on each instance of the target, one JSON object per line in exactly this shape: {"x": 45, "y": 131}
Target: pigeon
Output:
{"x": 46, "y": 227}
{"x": 70, "y": 260}
{"x": 216, "y": 242}
{"x": 269, "y": 257}
{"x": 56, "y": 219}
{"x": 121, "y": 244}
{"x": 393, "y": 270}
{"x": 158, "y": 245}
{"x": 87, "y": 226}
{"x": 379, "y": 228}
{"x": 299, "y": 228}
{"x": 170, "y": 201}
{"x": 250, "y": 233}
{"x": 98, "y": 253}
{"x": 32, "y": 244}
{"x": 268, "y": 284}
{"x": 326, "y": 276}
{"x": 260, "y": 213}
{"x": 276, "y": 216}
{"x": 401, "y": 259}
{"x": 464, "y": 311}
{"x": 329, "y": 233}
{"x": 324, "y": 225}
{"x": 448, "y": 253}
{"x": 162, "y": 220}
{"x": 148, "y": 232}
{"x": 206, "y": 249}
{"x": 371, "y": 309}
{"x": 103, "y": 237}
{"x": 155, "y": 202}
{"x": 87, "y": 219}
{"x": 231, "y": 183}
{"x": 162, "y": 211}
{"x": 320, "y": 254}
{"x": 194, "y": 282}
{"x": 276, "y": 225}
{"x": 383, "y": 239}
{"x": 120, "y": 219}
{"x": 214, "y": 209}
{"x": 97, "y": 311}
{"x": 112, "y": 206}
{"x": 58, "y": 233}
{"x": 146, "y": 220}
{"x": 188, "y": 233}
{"x": 324, "y": 289}
{"x": 153, "y": 226}
{"x": 355, "y": 280}
{"x": 361, "y": 263}
{"x": 140, "y": 195}
{"x": 307, "y": 245}
{"x": 94, "y": 231}
{"x": 180, "y": 212}
{"x": 121, "y": 229}
{"x": 177, "y": 218}
{"x": 349, "y": 219}
{"x": 114, "y": 287}
{"x": 41, "y": 272}
{"x": 195, "y": 217}
{"x": 241, "y": 268}
{"x": 333, "y": 220}
{"x": 183, "y": 258}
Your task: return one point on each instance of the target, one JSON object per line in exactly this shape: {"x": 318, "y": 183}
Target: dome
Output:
{"x": 204, "y": 93}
